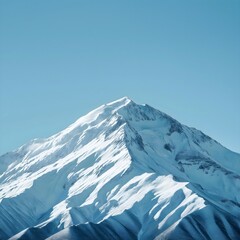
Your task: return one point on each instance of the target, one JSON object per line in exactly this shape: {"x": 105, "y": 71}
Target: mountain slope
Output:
{"x": 123, "y": 171}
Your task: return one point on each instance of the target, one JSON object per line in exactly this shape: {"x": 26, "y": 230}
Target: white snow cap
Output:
{"x": 122, "y": 171}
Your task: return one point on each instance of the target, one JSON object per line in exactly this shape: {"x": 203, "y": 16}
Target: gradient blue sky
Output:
{"x": 60, "y": 59}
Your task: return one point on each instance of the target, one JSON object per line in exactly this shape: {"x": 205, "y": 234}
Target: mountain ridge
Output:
{"x": 126, "y": 169}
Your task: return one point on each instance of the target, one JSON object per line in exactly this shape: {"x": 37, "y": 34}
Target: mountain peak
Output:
{"x": 124, "y": 171}
{"x": 123, "y": 108}
{"x": 124, "y": 101}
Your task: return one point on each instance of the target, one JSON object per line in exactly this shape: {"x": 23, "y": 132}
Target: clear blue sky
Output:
{"x": 60, "y": 59}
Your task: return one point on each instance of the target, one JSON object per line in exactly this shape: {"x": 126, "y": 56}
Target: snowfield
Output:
{"x": 123, "y": 171}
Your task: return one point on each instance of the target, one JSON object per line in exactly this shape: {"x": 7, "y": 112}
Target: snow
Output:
{"x": 123, "y": 170}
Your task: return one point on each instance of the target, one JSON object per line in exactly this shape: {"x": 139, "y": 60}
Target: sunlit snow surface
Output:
{"x": 123, "y": 171}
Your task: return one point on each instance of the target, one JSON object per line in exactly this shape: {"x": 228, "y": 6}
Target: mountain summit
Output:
{"x": 123, "y": 171}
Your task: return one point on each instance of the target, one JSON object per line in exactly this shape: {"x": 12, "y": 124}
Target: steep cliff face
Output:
{"x": 123, "y": 171}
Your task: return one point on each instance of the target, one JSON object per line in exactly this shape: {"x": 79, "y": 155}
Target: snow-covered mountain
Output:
{"x": 123, "y": 171}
